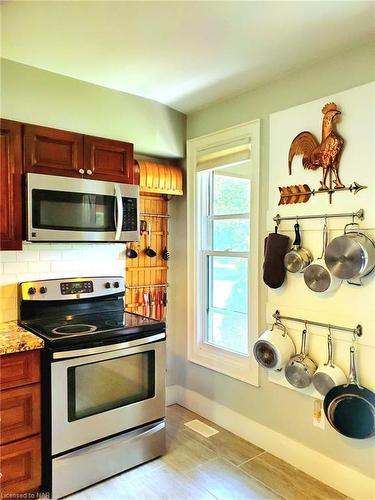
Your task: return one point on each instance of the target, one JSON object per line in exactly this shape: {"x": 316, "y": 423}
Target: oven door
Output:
{"x": 107, "y": 392}
{"x": 68, "y": 209}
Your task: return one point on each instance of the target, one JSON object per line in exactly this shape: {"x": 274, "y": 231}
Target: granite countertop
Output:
{"x": 14, "y": 338}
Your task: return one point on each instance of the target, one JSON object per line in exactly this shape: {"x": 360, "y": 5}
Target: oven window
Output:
{"x": 72, "y": 211}
{"x": 97, "y": 387}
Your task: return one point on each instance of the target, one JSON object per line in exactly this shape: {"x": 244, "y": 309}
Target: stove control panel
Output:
{"x": 72, "y": 288}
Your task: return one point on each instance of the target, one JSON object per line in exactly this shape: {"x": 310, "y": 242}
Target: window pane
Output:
{"x": 231, "y": 235}
{"x": 231, "y": 194}
{"x": 228, "y": 303}
{"x": 228, "y": 331}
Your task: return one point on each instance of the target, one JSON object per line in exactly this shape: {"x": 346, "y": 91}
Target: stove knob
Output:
{"x": 116, "y": 284}
{"x": 107, "y": 285}
{"x": 31, "y": 290}
{"x": 43, "y": 289}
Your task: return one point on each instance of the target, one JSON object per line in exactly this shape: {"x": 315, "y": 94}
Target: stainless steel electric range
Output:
{"x": 103, "y": 380}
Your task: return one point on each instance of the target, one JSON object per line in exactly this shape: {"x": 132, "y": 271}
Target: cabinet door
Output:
{"x": 20, "y": 368}
{"x": 20, "y": 412}
{"x": 20, "y": 466}
{"x": 10, "y": 186}
{"x": 109, "y": 160}
{"x": 52, "y": 151}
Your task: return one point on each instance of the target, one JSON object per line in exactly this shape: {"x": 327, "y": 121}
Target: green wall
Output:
{"x": 281, "y": 409}
{"x": 33, "y": 95}
{"x": 339, "y": 73}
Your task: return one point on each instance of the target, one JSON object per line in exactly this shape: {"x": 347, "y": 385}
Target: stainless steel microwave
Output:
{"x": 68, "y": 209}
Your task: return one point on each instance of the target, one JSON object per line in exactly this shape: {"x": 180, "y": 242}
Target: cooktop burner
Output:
{"x": 73, "y": 329}
{"x": 95, "y": 326}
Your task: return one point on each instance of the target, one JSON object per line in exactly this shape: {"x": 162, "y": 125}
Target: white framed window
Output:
{"x": 223, "y": 210}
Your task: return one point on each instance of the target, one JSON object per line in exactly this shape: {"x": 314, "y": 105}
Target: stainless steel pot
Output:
{"x": 317, "y": 276}
{"x": 300, "y": 368}
{"x": 298, "y": 258}
{"x": 351, "y": 256}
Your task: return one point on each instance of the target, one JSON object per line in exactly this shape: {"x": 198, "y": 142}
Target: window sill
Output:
{"x": 237, "y": 366}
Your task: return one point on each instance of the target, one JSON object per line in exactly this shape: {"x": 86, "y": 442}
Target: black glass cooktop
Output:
{"x": 93, "y": 326}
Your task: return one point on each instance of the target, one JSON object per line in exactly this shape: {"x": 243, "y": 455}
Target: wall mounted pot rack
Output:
{"x": 360, "y": 215}
{"x": 355, "y": 331}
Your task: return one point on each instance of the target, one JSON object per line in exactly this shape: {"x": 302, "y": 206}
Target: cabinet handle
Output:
{"x": 81, "y": 171}
{"x": 89, "y": 172}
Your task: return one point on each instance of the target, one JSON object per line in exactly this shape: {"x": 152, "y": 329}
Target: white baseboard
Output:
{"x": 174, "y": 394}
{"x": 341, "y": 477}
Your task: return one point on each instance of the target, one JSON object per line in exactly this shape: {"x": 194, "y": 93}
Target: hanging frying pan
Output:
{"x": 350, "y": 408}
{"x": 317, "y": 276}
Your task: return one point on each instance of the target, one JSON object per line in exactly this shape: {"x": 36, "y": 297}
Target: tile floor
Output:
{"x": 222, "y": 466}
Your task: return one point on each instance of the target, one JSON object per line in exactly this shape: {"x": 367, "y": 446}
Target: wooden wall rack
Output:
{"x": 148, "y": 275}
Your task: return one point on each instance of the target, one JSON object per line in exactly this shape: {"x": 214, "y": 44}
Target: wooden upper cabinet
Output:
{"x": 10, "y": 186}
{"x": 108, "y": 160}
{"x": 52, "y": 151}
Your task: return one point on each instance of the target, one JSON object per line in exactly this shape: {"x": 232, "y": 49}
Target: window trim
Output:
{"x": 235, "y": 365}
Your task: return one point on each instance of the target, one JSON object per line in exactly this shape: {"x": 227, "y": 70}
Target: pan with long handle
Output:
{"x": 328, "y": 375}
{"x": 317, "y": 276}
{"x": 300, "y": 368}
{"x": 350, "y": 408}
{"x": 298, "y": 258}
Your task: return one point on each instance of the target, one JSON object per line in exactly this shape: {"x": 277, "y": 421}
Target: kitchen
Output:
{"x": 271, "y": 435}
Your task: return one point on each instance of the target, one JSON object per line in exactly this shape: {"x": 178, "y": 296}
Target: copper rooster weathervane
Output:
{"x": 324, "y": 155}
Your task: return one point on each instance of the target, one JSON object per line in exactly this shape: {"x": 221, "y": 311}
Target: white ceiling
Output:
{"x": 183, "y": 54}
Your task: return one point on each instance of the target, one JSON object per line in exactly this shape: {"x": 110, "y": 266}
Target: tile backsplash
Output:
{"x": 55, "y": 260}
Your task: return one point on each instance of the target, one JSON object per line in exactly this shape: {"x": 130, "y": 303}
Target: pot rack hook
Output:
{"x": 329, "y": 332}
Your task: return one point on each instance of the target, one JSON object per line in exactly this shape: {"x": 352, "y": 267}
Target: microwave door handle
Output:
{"x": 119, "y": 218}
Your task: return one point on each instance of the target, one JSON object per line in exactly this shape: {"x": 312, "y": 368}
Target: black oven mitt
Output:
{"x": 275, "y": 248}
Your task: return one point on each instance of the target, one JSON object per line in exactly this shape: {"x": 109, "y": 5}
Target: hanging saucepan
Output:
{"x": 317, "y": 276}
{"x": 300, "y": 368}
{"x": 298, "y": 258}
{"x": 328, "y": 375}
{"x": 351, "y": 256}
{"x": 274, "y": 348}
{"x": 350, "y": 408}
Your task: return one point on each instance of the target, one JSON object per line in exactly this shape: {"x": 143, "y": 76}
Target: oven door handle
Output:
{"x": 120, "y": 213}
{"x": 77, "y": 353}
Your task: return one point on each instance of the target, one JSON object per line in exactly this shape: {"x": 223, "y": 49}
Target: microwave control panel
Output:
{"x": 130, "y": 215}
